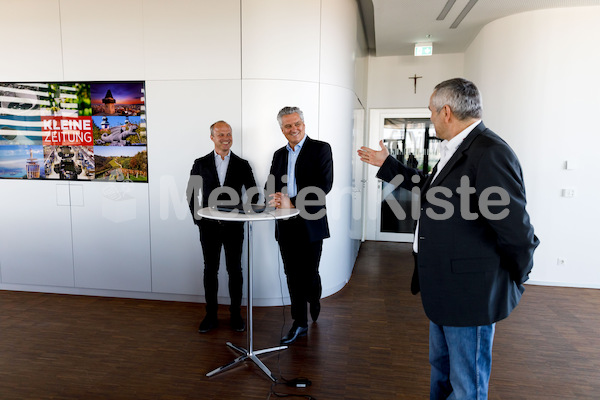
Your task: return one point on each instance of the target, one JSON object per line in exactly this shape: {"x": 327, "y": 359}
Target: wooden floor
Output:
{"x": 369, "y": 343}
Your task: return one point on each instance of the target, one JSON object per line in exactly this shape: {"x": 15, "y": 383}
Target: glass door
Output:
{"x": 412, "y": 141}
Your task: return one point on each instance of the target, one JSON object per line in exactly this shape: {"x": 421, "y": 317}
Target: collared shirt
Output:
{"x": 292, "y": 188}
{"x": 447, "y": 150}
{"x": 222, "y": 165}
{"x": 448, "y": 147}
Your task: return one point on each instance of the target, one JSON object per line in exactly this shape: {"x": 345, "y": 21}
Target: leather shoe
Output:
{"x": 237, "y": 323}
{"x": 315, "y": 309}
{"x": 293, "y": 334}
{"x": 209, "y": 323}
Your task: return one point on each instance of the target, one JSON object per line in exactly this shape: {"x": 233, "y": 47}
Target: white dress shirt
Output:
{"x": 447, "y": 150}
{"x": 292, "y": 188}
{"x": 222, "y": 165}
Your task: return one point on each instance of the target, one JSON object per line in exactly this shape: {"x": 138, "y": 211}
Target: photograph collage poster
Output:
{"x": 94, "y": 131}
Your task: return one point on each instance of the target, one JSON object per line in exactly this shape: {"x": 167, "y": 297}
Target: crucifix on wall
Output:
{"x": 415, "y": 79}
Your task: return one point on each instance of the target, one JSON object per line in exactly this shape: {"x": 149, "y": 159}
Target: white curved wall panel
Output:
{"x": 35, "y": 233}
{"x": 358, "y": 174}
{"x": 280, "y": 39}
{"x": 31, "y": 45}
{"x": 192, "y": 39}
{"x": 335, "y": 124}
{"x": 179, "y": 117}
{"x": 338, "y": 41}
{"x": 102, "y": 40}
{"x": 535, "y": 92}
{"x": 261, "y": 101}
{"x": 361, "y": 64}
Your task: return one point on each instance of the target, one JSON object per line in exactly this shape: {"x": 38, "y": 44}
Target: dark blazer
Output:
{"x": 314, "y": 168}
{"x": 203, "y": 176}
{"x": 471, "y": 270}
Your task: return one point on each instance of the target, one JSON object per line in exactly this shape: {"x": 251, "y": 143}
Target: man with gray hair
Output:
{"x": 470, "y": 266}
{"x": 303, "y": 173}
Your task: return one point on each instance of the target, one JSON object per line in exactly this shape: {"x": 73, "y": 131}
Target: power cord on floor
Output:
{"x": 306, "y": 396}
{"x": 299, "y": 382}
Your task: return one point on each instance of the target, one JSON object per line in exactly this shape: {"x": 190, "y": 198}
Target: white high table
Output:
{"x": 249, "y": 353}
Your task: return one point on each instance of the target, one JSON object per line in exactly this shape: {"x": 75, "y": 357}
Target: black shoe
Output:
{"x": 315, "y": 309}
{"x": 294, "y": 334}
{"x": 237, "y": 323}
{"x": 209, "y": 322}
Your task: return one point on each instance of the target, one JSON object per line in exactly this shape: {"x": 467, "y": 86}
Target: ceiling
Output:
{"x": 394, "y": 26}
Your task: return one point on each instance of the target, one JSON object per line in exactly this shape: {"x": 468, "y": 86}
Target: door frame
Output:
{"x": 377, "y": 117}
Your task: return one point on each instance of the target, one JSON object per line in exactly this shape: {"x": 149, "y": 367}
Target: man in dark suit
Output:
{"x": 224, "y": 171}
{"x": 473, "y": 244}
{"x": 303, "y": 175}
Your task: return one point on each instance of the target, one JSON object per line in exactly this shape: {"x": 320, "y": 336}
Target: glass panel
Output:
{"x": 411, "y": 141}
{"x": 433, "y": 149}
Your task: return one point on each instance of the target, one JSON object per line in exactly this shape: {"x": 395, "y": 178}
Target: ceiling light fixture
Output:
{"x": 463, "y": 13}
{"x": 446, "y": 10}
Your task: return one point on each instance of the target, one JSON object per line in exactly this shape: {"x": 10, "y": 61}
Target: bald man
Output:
{"x": 220, "y": 169}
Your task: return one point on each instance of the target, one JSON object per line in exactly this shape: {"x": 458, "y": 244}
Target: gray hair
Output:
{"x": 461, "y": 95}
{"x": 288, "y": 111}
{"x": 212, "y": 127}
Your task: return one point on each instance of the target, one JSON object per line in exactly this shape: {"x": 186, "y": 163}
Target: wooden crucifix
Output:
{"x": 415, "y": 79}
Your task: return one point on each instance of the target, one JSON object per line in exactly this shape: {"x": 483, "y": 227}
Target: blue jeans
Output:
{"x": 461, "y": 361}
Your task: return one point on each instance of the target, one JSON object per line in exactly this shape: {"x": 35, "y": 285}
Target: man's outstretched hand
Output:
{"x": 374, "y": 157}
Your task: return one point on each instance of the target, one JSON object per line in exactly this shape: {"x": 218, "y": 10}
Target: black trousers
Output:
{"x": 301, "y": 265}
{"x": 230, "y": 235}
{"x": 414, "y": 282}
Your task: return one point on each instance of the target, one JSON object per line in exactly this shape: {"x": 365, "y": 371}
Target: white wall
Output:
{"x": 390, "y": 86}
{"x": 391, "y": 89}
{"x": 538, "y": 72}
{"x": 178, "y": 134}
{"x": 314, "y": 70}
{"x": 202, "y": 61}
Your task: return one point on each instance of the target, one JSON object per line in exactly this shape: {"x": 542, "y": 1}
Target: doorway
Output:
{"x": 410, "y": 138}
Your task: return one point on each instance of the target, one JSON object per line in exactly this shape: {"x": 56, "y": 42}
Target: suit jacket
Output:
{"x": 471, "y": 270}
{"x": 314, "y": 168}
{"x": 203, "y": 177}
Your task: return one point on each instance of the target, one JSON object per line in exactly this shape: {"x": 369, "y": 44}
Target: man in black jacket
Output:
{"x": 303, "y": 175}
{"x": 474, "y": 242}
{"x": 220, "y": 170}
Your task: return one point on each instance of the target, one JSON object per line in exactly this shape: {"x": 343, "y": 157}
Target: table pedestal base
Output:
{"x": 248, "y": 355}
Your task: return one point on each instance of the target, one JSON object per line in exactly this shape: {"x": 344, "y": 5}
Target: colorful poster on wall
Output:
{"x": 73, "y": 131}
